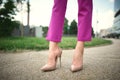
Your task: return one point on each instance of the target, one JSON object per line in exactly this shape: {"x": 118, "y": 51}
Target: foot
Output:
{"x": 77, "y": 63}
{"x": 52, "y": 60}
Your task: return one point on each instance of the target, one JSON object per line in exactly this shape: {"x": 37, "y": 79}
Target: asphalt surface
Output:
{"x": 100, "y": 63}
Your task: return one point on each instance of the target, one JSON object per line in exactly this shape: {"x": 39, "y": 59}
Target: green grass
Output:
{"x": 70, "y": 42}
{"x": 30, "y": 43}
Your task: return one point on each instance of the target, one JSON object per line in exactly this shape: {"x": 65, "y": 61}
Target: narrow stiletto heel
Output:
{"x": 59, "y": 56}
{"x": 60, "y": 61}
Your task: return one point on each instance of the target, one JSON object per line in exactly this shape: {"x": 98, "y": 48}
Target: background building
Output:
{"x": 27, "y": 31}
{"x": 36, "y": 32}
{"x": 116, "y": 24}
{"x": 114, "y": 31}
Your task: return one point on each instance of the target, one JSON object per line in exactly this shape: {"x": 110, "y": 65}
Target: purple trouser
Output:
{"x": 55, "y": 30}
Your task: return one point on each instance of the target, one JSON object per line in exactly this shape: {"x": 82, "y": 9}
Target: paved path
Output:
{"x": 100, "y": 63}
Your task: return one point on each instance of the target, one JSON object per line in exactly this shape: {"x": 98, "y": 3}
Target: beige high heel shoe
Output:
{"x": 48, "y": 67}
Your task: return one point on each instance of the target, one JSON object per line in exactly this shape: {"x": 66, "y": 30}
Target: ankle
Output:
{"x": 54, "y": 50}
{"x": 53, "y": 46}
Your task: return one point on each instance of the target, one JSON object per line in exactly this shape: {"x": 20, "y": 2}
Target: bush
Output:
{"x": 7, "y": 26}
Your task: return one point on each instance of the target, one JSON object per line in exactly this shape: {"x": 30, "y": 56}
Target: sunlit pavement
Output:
{"x": 100, "y": 63}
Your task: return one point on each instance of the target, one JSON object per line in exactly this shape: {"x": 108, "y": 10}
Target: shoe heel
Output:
{"x": 60, "y": 60}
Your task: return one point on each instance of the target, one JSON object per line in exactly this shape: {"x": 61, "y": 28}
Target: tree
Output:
{"x": 45, "y": 30}
{"x": 73, "y": 27}
{"x": 66, "y": 26}
{"x": 1, "y": 2}
{"x": 7, "y": 22}
{"x": 93, "y": 34}
{"x": 28, "y": 11}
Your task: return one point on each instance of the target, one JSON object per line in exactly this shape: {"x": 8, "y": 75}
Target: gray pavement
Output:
{"x": 100, "y": 63}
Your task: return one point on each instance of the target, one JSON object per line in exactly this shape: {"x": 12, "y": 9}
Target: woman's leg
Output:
{"x": 57, "y": 21}
{"x": 84, "y": 32}
{"x": 55, "y": 33}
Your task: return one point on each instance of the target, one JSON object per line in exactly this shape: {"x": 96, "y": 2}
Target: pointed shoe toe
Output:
{"x": 75, "y": 68}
